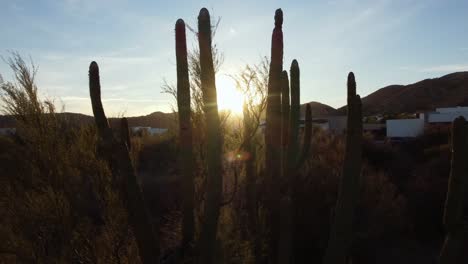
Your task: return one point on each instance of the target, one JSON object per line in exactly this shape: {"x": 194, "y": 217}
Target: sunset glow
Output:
{"x": 229, "y": 97}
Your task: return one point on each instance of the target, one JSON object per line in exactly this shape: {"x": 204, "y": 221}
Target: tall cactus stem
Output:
{"x": 214, "y": 177}
{"x": 122, "y": 170}
{"x": 273, "y": 137}
{"x": 294, "y": 115}
{"x": 285, "y": 109}
{"x": 185, "y": 136}
{"x": 341, "y": 229}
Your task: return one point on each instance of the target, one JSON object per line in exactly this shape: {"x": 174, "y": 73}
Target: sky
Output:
{"x": 383, "y": 42}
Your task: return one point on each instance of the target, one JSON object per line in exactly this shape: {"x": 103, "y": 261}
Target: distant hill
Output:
{"x": 156, "y": 119}
{"x": 446, "y": 91}
{"x": 319, "y": 109}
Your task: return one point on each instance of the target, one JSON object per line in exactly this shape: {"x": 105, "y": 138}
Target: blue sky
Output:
{"x": 383, "y": 41}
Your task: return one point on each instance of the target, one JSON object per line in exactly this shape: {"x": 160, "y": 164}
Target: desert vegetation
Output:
{"x": 220, "y": 189}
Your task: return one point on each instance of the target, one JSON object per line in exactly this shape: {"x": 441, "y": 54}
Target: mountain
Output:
{"x": 156, "y": 119}
{"x": 319, "y": 109}
{"x": 446, "y": 91}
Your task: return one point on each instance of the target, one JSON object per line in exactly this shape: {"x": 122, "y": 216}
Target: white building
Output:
{"x": 446, "y": 115}
{"x": 405, "y": 127}
{"x": 415, "y": 127}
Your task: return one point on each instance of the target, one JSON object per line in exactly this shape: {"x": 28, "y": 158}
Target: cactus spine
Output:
{"x": 123, "y": 172}
{"x": 341, "y": 229}
{"x": 273, "y": 136}
{"x": 185, "y": 134}
{"x": 214, "y": 166}
{"x": 457, "y": 184}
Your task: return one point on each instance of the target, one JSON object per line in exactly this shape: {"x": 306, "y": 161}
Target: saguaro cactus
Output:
{"x": 123, "y": 172}
{"x": 458, "y": 181}
{"x": 294, "y": 115}
{"x": 285, "y": 109}
{"x": 296, "y": 154}
{"x": 185, "y": 135}
{"x": 273, "y": 135}
{"x": 214, "y": 166}
{"x": 341, "y": 230}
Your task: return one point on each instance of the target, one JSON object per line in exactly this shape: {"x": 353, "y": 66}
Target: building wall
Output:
{"x": 446, "y": 117}
{"x": 452, "y": 109}
{"x": 337, "y": 124}
{"x": 405, "y": 127}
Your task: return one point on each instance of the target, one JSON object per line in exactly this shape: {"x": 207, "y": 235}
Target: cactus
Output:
{"x": 341, "y": 229}
{"x": 297, "y": 154}
{"x": 273, "y": 136}
{"x": 185, "y": 134}
{"x": 294, "y": 115}
{"x": 123, "y": 172}
{"x": 124, "y": 133}
{"x": 285, "y": 109}
{"x": 295, "y": 160}
{"x": 214, "y": 167}
{"x": 457, "y": 184}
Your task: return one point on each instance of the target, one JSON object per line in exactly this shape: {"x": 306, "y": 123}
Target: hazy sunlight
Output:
{"x": 229, "y": 98}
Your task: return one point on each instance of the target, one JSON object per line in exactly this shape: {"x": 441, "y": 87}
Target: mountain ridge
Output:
{"x": 446, "y": 91}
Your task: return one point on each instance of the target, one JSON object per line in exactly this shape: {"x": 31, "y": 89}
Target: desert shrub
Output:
{"x": 57, "y": 196}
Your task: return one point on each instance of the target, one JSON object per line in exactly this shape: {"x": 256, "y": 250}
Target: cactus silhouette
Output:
{"x": 125, "y": 133}
{"x": 116, "y": 154}
{"x": 285, "y": 109}
{"x": 185, "y": 135}
{"x": 297, "y": 154}
{"x": 294, "y": 116}
{"x": 341, "y": 229}
{"x": 273, "y": 136}
{"x": 207, "y": 243}
{"x": 457, "y": 184}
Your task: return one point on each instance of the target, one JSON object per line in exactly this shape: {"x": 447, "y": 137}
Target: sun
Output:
{"x": 229, "y": 98}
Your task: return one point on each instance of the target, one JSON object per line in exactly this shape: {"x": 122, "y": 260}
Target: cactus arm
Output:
{"x": 453, "y": 211}
{"x": 341, "y": 229}
{"x": 185, "y": 134}
{"x": 213, "y": 201}
{"x": 122, "y": 170}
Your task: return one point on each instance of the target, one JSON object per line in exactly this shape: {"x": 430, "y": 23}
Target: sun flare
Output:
{"x": 229, "y": 98}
